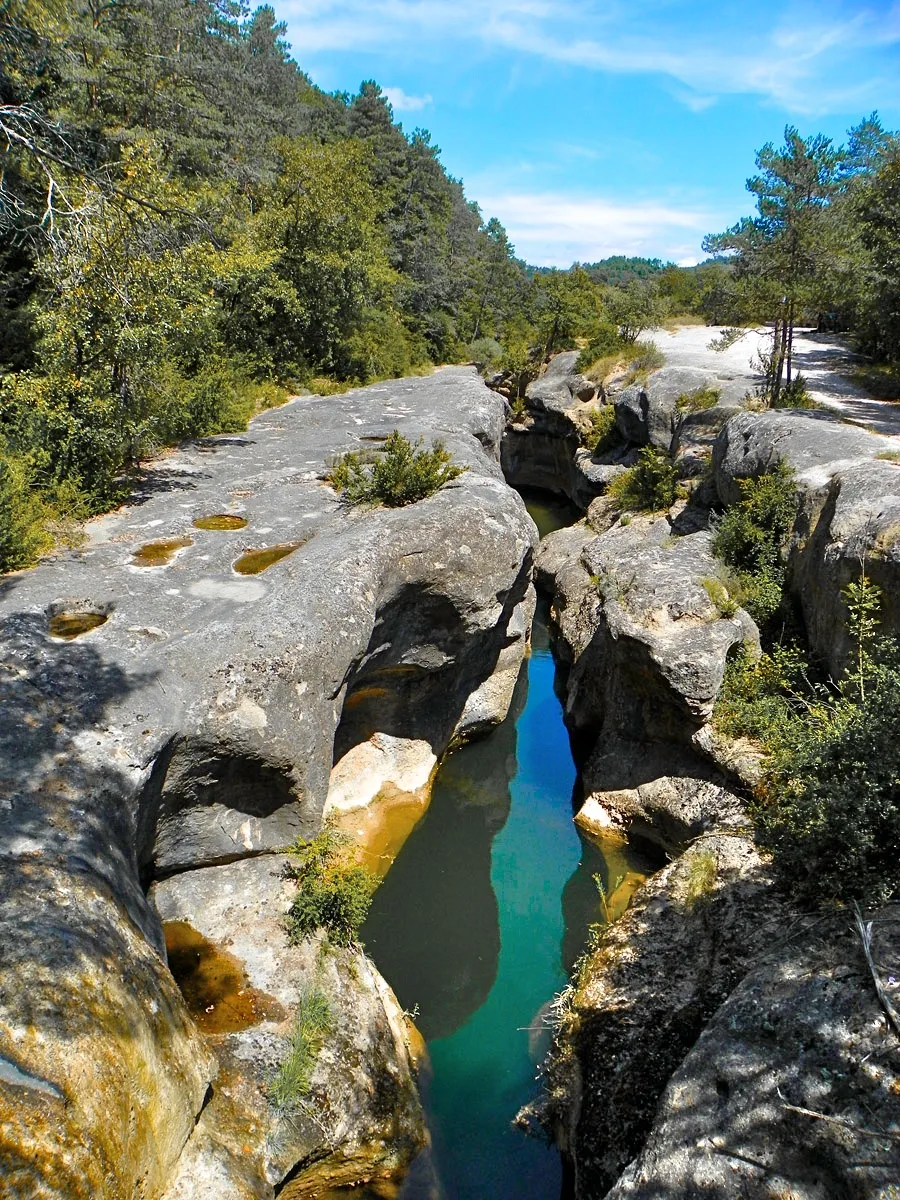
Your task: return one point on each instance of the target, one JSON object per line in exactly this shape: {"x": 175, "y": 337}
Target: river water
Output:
{"x": 477, "y": 926}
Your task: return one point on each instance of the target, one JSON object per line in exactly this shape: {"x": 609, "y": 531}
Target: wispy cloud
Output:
{"x": 400, "y": 102}
{"x": 556, "y": 229}
{"x": 809, "y": 61}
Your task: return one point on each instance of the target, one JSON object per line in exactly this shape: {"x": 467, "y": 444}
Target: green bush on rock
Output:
{"x": 399, "y": 473}
{"x": 333, "y": 894}
{"x": 651, "y": 485}
{"x": 750, "y": 537}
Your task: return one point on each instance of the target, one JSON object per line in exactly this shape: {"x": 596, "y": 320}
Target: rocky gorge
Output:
{"x": 170, "y": 723}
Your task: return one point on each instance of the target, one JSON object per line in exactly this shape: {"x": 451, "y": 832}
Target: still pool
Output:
{"x": 476, "y": 928}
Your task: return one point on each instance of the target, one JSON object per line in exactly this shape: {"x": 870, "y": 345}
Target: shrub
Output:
{"x": 602, "y": 433}
{"x": 311, "y": 1026}
{"x": 649, "y": 486}
{"x": 400, "y": 473}
{"x": 828, "y": 803}
{"x": 794, "y": 395}
{"x": 646, "y": 357}
{"x": 699, "y": 400}
{"x": 23, "y": 514}
{"x": 487, "y": 351}
{"x": 333, "y": 894}
{"x": 761, "y": 697}
{"x": 829, "y": 806}
{"x": 750, "y": 536}
{"x": 604, "y": 341}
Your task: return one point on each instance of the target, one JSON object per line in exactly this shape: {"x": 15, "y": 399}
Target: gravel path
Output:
{"x": 824, "y": 360}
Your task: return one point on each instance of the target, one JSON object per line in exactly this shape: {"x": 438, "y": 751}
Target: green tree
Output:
{"x": 780, "y": 252}
{"x": 565, "y": 304}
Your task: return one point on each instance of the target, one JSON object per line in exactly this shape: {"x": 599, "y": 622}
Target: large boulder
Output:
{"x": 793, "y": 1088}
{"x": 848, "y": 513}
{"x": 194, "y": 720}
{"x": 350, "y": 1125}
{"x": 646, "y": 641}
{"x": 642, "y": 996}
{"x": 653, "y": 413}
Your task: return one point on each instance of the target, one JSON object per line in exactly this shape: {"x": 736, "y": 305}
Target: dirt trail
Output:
{"x": 824, "y": 360}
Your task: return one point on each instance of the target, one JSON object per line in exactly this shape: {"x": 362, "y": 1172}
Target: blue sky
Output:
{"x": 595, "y": 127}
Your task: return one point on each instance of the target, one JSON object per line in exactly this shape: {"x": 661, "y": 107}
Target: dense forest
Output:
{"x": 191, "y": 229}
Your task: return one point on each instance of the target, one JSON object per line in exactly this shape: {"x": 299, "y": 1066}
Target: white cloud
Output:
{"x": 400, "y": 102}
{"x": 557, "y": 229}
{"x": 812, "y": 60}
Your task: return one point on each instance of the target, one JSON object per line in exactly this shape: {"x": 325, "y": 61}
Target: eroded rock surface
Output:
{"x": 849, "y": 511}
{"x": 198, "y": 725}
{"x": 545, "y": 447}
{"x": 803, "y": 1030}
{"x": 643, "y": 996}
{"x": 361, "y": 1119}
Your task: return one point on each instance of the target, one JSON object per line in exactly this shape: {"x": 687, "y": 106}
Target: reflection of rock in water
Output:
{"x": 434, "y": 928}
{"x": 622, "y": 869}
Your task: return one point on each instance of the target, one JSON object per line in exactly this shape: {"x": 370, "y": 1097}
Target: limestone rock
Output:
{"x": 126, "y": 757}
{"x": 643, "y": 996}
{"x": 656, "y": 658}
{"x": 849, "y": 512}
{"x": 658, "y": 793}
{"x": 354, "y": 1125}
{"x": 649, "y": 414}
{"x": 804, "y": 1030}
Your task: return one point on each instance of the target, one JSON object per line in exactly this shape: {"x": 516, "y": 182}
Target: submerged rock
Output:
{"x": 198, "y": 725}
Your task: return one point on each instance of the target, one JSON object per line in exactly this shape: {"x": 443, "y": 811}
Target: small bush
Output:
{"x": 487, "y": 352}
{"x": 699, "y": 400}
{"x": 794, "y": 395}
{"x": 602, "y": 434}
{"x": 333, "y": 894}
{"x": 750, "y": 537}
{"x": 604, "y": 342}
{"x": 645, "y": 357}
{"x": 761, "y": 697}
{"x": 702, "y": 874}
{"x": 649, "y": 486}
{"x": 23, "y": 533}
{"x": 400, "y": 473}
{"x": 829, "y": 807}
{"x": 312, "y": 1024}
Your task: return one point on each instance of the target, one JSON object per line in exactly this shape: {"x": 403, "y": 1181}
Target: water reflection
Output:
{"x": 434, "y": 928}
{"x": 477, "y": 924}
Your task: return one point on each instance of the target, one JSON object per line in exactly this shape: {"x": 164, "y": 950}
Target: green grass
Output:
{"x": 698, "y": 400}
{"x": 701, "y": 877}
{"x": 312, "y": 1024}
{"x": 881, "y": 380}
{"x": 889, "y": 456}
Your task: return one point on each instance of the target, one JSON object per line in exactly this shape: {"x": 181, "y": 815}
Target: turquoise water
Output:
{"x": 476, "y": 927}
